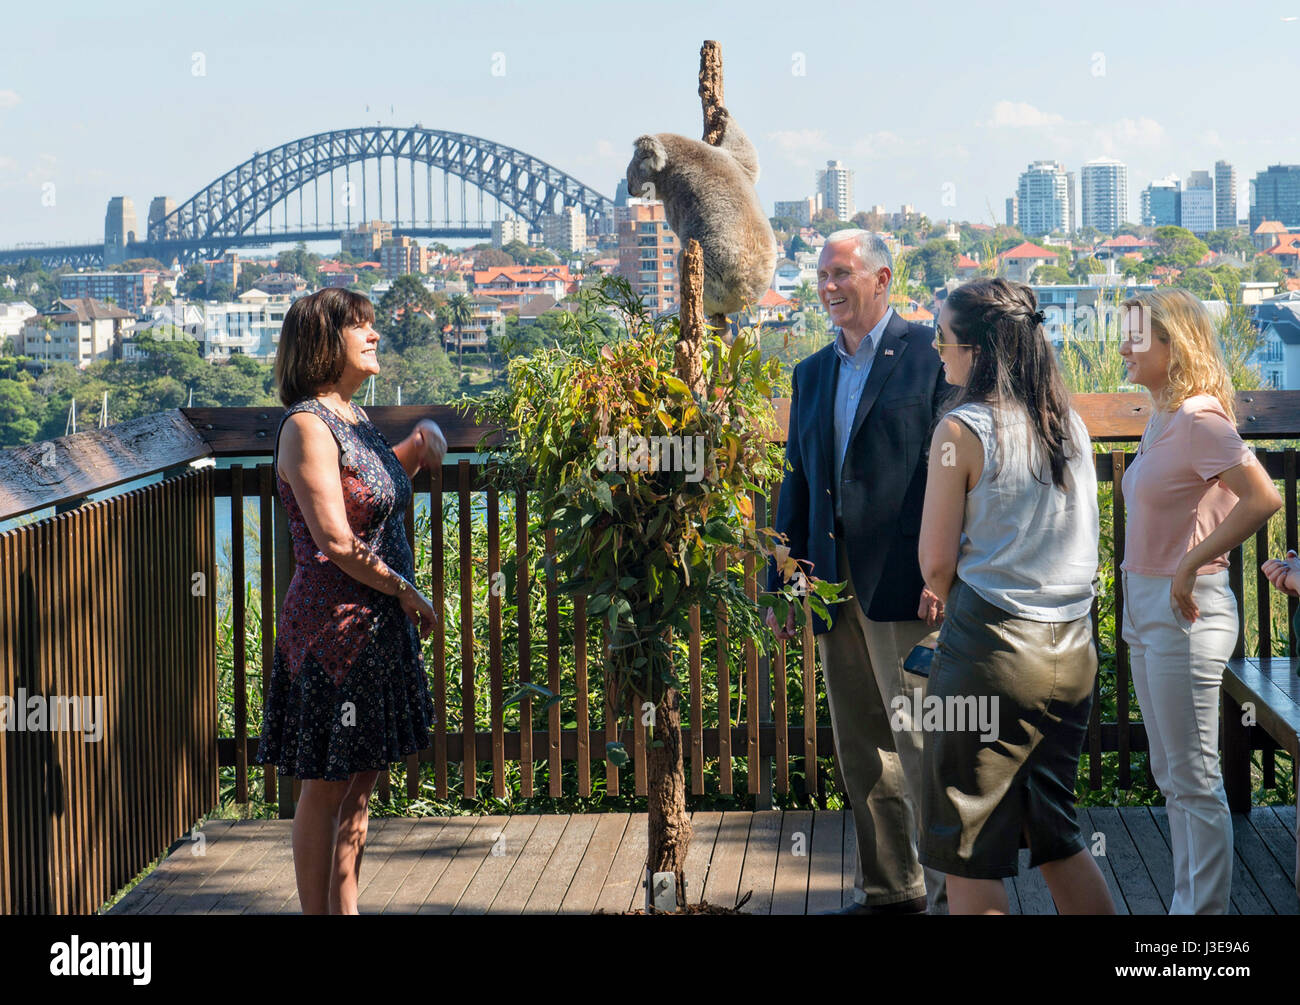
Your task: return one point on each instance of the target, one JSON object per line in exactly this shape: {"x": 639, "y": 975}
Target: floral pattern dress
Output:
{"x": 348, "y": 691}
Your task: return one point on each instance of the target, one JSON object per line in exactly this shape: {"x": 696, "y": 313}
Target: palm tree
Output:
{"x": 804, "y": 294}
{"x": 47, "y": 324}
{"x": 460, "y": 311}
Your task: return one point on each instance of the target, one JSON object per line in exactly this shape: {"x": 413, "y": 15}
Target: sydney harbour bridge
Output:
{"x": 314, "y": 188}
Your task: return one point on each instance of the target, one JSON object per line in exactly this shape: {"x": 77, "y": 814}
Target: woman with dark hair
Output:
{"x": 347, "y": 693}
{"x": 1009, "y": 544}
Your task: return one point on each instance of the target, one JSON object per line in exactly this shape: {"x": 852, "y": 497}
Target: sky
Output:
{"x": 940, "y": 105}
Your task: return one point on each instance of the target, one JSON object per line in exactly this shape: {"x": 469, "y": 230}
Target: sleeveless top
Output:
{"x": 1026, "y": 546}
{"x": 328, "y": 614}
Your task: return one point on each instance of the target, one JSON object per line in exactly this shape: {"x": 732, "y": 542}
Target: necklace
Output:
{"x": 355, "y": 420}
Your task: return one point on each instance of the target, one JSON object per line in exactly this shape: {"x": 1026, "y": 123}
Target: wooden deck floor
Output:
{"x": 794, "y": 862}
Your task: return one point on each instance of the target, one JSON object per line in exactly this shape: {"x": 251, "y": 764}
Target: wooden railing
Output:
{"x": 91, "y": 603}
{"x": 110, "y": 606}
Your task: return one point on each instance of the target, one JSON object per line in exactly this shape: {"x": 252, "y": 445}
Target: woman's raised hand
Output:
{"x": 430, "y": 444}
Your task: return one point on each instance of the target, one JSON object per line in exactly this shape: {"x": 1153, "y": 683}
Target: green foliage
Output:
{"x": 642, "y": 537}
{"x": 301, "y": 262}
{"x": 522, "y": 254}
{"x": 1051, "y": 275}
{"x": 1178, "y": 247}
{"x": 935, "y": 262}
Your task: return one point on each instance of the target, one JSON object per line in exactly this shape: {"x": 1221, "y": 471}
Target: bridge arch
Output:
{"x": 237, "y": 203}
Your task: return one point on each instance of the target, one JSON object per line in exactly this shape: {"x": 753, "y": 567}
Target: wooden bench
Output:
{"x": 1269, "y": 689}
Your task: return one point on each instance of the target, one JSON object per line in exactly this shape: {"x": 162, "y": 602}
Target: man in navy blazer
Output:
{"x": 862, "y": 412}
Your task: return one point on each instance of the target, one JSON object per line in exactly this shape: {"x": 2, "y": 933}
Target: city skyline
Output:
{"x": 180, "y": 100}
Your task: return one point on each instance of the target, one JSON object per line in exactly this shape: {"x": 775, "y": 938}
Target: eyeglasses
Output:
{"x": 941, "y": 345}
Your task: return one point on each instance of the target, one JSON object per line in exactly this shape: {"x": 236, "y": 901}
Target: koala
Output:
{"x": 708, "y": 194}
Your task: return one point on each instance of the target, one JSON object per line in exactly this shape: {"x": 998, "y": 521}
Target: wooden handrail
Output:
{"x": 52, "y": 473}
{"x": 46, "y": 474}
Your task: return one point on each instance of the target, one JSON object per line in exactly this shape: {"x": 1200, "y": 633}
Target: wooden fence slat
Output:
{"x": 438, "y": 597}
{"x": 468, "y": 718}
{"x": 287, "y": 785}
{"x": 266, "y": 587}
{"x": 8, "y": 685}
{"x": 695, "y": 669}
{"x": 1289, "y": 476}
{"x": 87, "y": 850}
{"x": 611, "y": 716}
{"x": 583, "y": 710}
{"x": 53, "y": 682}
{"x": 411, "y": 762}
{"x": 754, "y": 773}
{"x": 497, "y": 697}
{"x": 554, "y": 766}
{"x": 723, "y": 669}
{"x": 1263, "y": 592}
{"x": 239, "y": 631}
{"x": 525, "y": 643}
{"x": 1122, "y": 669}
{"x": 809, "y": 672}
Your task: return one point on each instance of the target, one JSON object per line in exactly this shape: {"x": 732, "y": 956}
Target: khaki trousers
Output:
{"x": 862, "y": 665}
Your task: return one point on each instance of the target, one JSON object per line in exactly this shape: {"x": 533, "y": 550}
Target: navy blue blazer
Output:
{"x": 883, "y": 480}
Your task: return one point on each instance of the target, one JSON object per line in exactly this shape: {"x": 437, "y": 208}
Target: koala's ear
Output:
{"x": 651, "y": 155}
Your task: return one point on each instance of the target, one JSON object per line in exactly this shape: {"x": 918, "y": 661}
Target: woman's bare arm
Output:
{"x": 953, "y": 452}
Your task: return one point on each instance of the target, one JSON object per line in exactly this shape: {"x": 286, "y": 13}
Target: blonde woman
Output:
{"x": 1193, "y": 493}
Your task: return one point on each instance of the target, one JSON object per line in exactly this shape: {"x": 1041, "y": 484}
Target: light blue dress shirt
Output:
{"x": 854, "y": 370}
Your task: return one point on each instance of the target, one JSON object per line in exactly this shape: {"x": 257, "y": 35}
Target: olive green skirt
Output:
{"x": 1008, "y": 704}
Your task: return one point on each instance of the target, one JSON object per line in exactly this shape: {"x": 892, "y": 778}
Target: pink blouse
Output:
{"x": 1173, "y": 498}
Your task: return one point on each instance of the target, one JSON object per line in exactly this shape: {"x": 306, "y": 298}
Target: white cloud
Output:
{"x": 8, "y": 99}
{"x": 43, "y": 169}
{"x": 796, "y": 141}
{"x": 1018, "y": 114}
{"x": 882, "y": 144}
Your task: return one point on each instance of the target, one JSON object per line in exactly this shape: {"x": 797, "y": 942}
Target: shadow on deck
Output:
{"x": 796, "y": 862}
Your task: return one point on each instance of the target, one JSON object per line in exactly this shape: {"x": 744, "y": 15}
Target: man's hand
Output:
{"x": 930, "y": 610}
{"x": 1284, "y": 573}
{"x": 788, "y": 632}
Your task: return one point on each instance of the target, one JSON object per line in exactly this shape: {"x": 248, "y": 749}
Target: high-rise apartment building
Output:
{"x": 647, "y": 254}
{"x": 1198, "y": 204}
{"x": 565, "y": 230}
{"x": 1043, "y": 199}
{"x": 403, "y": 256}
{"x": 836, "y": 187}
{"x": 1162, "y": 202}
{"x": 1104, "y": 194}
{"x": 1276, "y": 196}
{"x": 1225, "y": 195}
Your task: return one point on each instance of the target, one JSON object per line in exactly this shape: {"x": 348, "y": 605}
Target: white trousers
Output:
{"x": 1177, "y": 671}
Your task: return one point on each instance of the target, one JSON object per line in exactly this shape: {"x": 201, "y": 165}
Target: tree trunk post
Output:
{"x": 669, "y": 826}
{"x": 688, "y": 354}
{"x": 715, "y": 126}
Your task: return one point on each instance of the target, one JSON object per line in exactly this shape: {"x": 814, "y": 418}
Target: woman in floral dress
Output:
{"x": 348, "y": 693}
